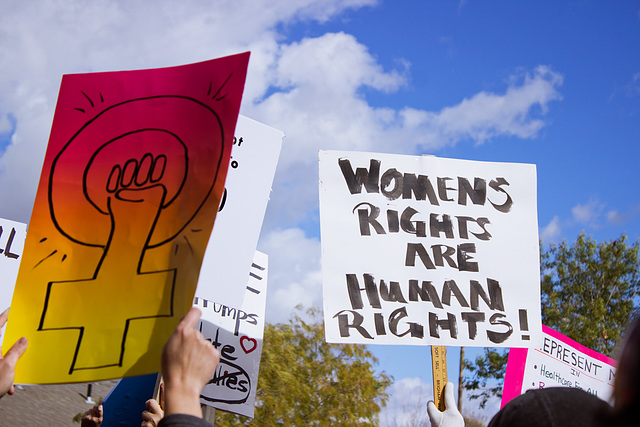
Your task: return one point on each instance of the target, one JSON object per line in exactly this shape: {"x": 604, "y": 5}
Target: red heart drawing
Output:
{"x": 248, "y": 349}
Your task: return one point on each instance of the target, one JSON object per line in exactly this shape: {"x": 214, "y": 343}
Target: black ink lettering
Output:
{"x": 391, "y": 175}
{"x": 378, "y": 320}
{"x": 394, "y": 319}
{"x": 394, "y": 294}
{"x": 445, "y": 226}
{"x": 426, "y": 293}
{"x": 241, "y": 316}
{"x": 439, "y": 256}
{"x": 227, "y": 351}
{"x": 496, "y": 184}
{"x": 442, "y": 189}
{"x": 405, "y": 222}
{"x": 472, "y": 319}
{"x": 464, "y": 250}
{"x": 446, "y": 324}
{"x": 524, "y": 323}
{"x": 477, "y": 194}
{"x": 494, "y": 301}
{"x": 353, "y": 288}
{"x": 393, "y": 221}
{"x": 450, "y": 287}
{"x": 368, "y": 178}
{"x": 344, "y": 325}
{"x": 499, "y": 337}
{"x": 420, "y": 186}
{"x": 7, "y": 247}
{"x": 414, "y": 249}
{"x": 367, "y": 217}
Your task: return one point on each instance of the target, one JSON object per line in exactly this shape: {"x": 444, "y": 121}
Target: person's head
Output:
{"x": 626, "y": 388}
{"x": 553, "y": 407}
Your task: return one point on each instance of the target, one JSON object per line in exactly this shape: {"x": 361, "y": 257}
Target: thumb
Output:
{"x": 435, "y": 416}
{"x": 16, "y": 351}
{"x": 449, "y": 399}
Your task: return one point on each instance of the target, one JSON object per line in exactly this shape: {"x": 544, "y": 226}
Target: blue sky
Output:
{"x": 556, "y": 84}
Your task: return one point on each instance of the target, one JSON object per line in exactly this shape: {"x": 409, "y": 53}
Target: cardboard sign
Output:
{"x": 234, "y": 238}
{"x": 558, "y": 361}
{"x": 12, "y": 235}
{"x": 428, "y": 251}
{"x": 131, "y": 182}
{"x": 237, "y": 333}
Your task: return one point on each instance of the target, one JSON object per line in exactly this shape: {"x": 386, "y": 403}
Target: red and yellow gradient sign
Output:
{"x": 130, "y": 186}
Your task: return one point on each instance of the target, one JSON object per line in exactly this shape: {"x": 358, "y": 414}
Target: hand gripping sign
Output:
{"x": 131, "y": 182}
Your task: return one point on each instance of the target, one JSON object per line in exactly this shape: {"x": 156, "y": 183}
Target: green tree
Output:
{"x": 588, "y": 293}
{"x": 588, "y": 290}
{"x": 306, "y": 381}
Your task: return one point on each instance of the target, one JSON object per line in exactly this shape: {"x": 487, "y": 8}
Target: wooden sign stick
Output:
{"x": 439, "y": 368}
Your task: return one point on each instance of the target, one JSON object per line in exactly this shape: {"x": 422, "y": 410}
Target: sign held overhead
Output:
{"x": 429, "y": 251}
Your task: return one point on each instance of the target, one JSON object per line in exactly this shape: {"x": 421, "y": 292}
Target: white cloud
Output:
{"x": 43, "y": 40}
{"x": 407, "y": 405}
{"x": 619, "y": 218}
{"x": 588, "y": 213}
{"x": 309, "y": 88}
{"x": 487, "y": 115}
{"x": 551, "y": 232}
{"x": 294, "y": 272}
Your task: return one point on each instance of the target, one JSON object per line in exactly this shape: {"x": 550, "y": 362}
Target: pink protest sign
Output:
{"x": 558, "y": 361}
{"x": 131, "y": 182}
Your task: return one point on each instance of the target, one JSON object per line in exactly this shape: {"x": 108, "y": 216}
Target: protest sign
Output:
{"x": 237, "y": 333}
{"x": 125, "y": 402}
{"x": 12, "y": 235}
{"x": 131, "y": 183}
{"x": 428, "y": 251}
{"x": 558, "y": 361}
{"x": 234, "y": 238}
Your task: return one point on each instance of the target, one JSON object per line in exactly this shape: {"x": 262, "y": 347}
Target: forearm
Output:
{"x": 181, "y": 399}
{"x": 182, "y": 420}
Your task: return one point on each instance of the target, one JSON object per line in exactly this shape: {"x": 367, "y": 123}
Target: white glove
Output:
{"x": 450, "y": 417}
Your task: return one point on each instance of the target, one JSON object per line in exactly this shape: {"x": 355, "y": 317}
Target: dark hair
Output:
{"x": 554, "y": 407}
{"x": 626, "y": 387}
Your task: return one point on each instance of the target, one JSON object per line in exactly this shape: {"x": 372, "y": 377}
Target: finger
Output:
{"x": 153, "y": 407}
{"x": 449, "y": 400}
{"x": 161, "y": 397}
{"x": 191, "y": 319}
{"x": 434, "y": 414}
{"x": 3, "y": 317}
{"x": 16, "y": 351}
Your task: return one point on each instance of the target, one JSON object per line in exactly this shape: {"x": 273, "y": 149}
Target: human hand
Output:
{"x": 10, "y": 359}
{"x": 450, "y": 417}
{"x": 93, "y": 417}
{"x": 152, "y": 416}
{"x": 188, "y": 363}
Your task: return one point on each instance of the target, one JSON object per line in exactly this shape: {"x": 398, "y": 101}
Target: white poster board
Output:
{"x": 558, "y": 361}
{"x": 12, "y": 236}
{"x": 237, "y": 334}
{"x": 237, "y": 227}
{"x": 422, "y": 250}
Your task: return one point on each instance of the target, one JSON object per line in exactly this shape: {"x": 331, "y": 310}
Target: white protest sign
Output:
{"x": 237, "y": 334}
{"x": 558, "y": 361}
{"x": 428, "y": 251}
{"x": 12, "y": 236}
{"x": 237, "y": 227}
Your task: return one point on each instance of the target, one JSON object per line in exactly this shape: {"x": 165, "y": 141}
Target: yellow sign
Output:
{"x": 130, "y": 186}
